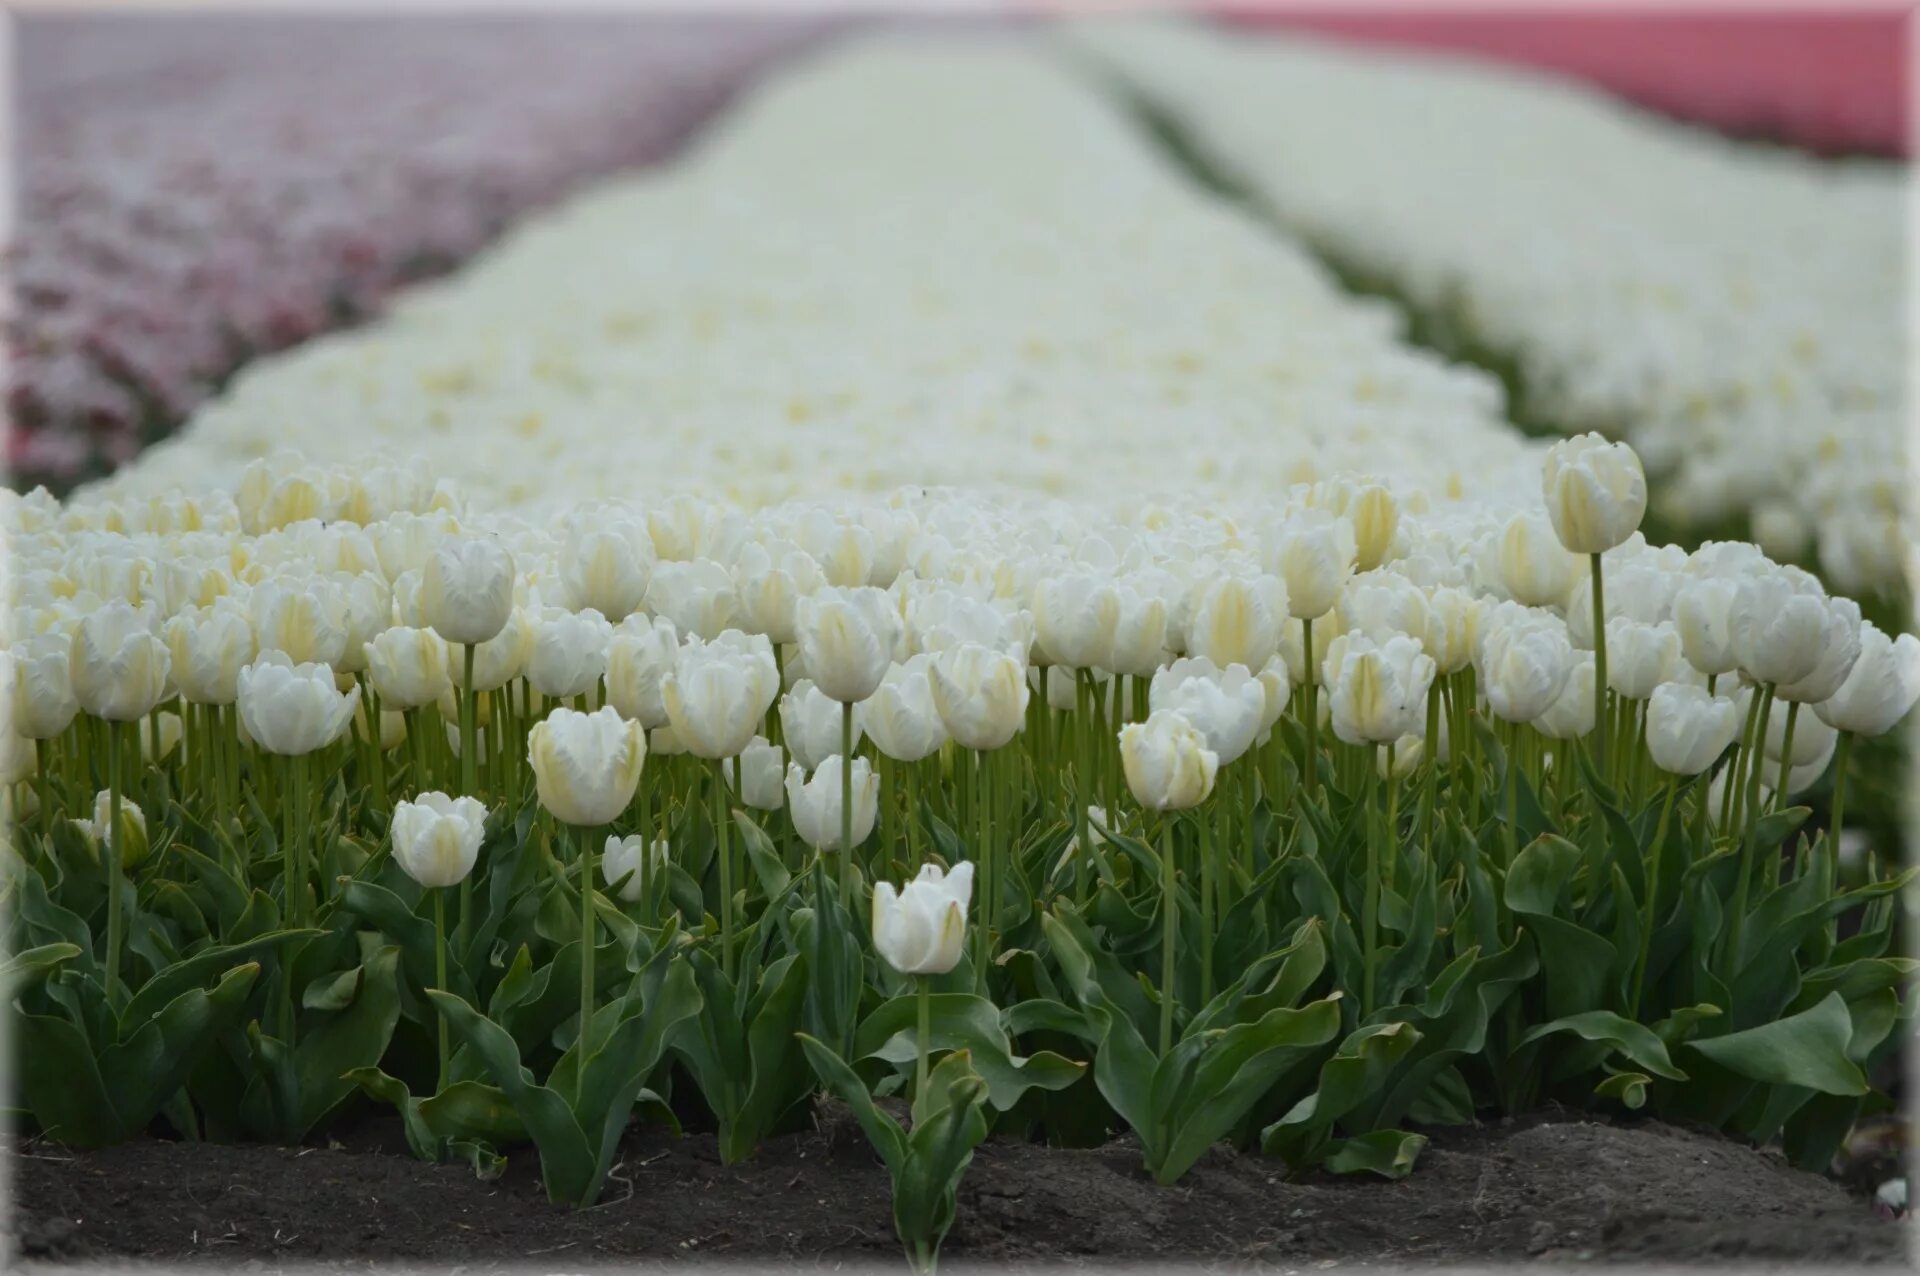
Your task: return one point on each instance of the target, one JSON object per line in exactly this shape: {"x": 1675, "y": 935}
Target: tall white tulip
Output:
{"x": 1227, "y": 706}
{"x": 436, "y": 838}
{"x": 1075, "y": 617}
{"x": 921, "y": 929}
{"x": 466, "y": 589}
{"x": 1523, "y": 670}
{"x": 408, "y": 667}
{"x": 606, "y": 567}
{"x": 586, "y": 766}
{"x": 1778, "y": 628}
{"x": 1596, "y": 492}
{"x": 1570, "y": 716}
{"x": 1687, "y": 729}
{"x": 208, "y": 647}
{"x": 1839, "y": 649}
{"x": 569, "y": 652}
{"x": 847, "y": 638}
{"x": 900, "y": 717}
{"x": 1535, "y": 567}
{"x": 43, "y": 701}
{"x": 1880, "y": 689}
{"x": 301, "y": 619}
{"x": 1703, "y": 613}
{"x": 810, "y": 724}
{"x": 1380, "y": 691}
{"x": 640, "y": 656}
{"x": 758, "y": 774}
{"x": 815, "y": 802}
{"x": 1316, "y": 556}
{"x": 1167, "y": 762}
{"x": 719, "y": 691}
{"x": 980, "y": 694}
{"x": 290, "y": 709}
{"x": 120, "y": 669}
{"x": 1236, "y": 620}
{"x": 1641, "y": 657}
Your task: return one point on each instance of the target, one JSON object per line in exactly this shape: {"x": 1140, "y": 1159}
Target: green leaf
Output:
{"x": 888, "y": 1139}
{"x": 1636, "y": 1042}
{"x": 1627, "y": 1088}
{"x": 32, "y": 965}
{"x": 1388, "y": 1153}
{"x": 1539, "y": 873}
{"x": 961, "y": 1021}
{"x": 1808, "y": 1049}
{"x": 1358, "y": 1069}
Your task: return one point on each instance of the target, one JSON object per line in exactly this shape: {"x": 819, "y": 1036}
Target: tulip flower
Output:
{"x": 770, "y": 590}
{"x": 758, "y": 775}
{"x": 1317, "y": 555}
{"x": 815, "y": 802}
{"x": 1076, "y": 617}
{"x": 698, "y": 597}
{"x": 299, "y": 619}
{"x": 1536, "y": 569}
{"x": 1702, "y": 612}
{"x": 207, "y": 648}
{"x": 719, "y": 691}
{"x": 810, "y": 723}
{"x": 130, "y": 820}
{"x": 407, "y": 667}
{"x": 1570, "y": 716}
{"x": 120, "y": 669}
{"x": 1839, "y": 650}
{"x": 640, "y": 656}
{"x": 466, "y": 589}
{"x": 1596, "y": 493}
{"x": 1236, "y": 620}
{"x": 1641, "y": 657}
{"x": 44, "y": 704}
{"x": 900, "y": 717}
{"x": 290, "y": 709}
{"x": 569, "y": 653}
{"x": 606, "y": 568}
{"x": 436, "y": 840}
{"x": 1380, "y": 691}
{"x": 980, "y": 694}
{"x": 586, "y": 765}
{"x": 847, "y": 638}
{"x": 1226, "y": 706}
{"x": 921, "y": 930}
{"x": 1778, "y": 628}
{"x": 1880, "y": 688}
{"x": 632, "y": 865}
{"x": 1688, "y": 729}
{"x": 1524, "y": 670}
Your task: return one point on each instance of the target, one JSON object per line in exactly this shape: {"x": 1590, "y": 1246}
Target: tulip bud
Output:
{"x": 900, "y": 716}
{"x": 1375, "y": 516}
{"x": 1571, "y": 715}
{"x": 640, "y": 655}
{"x": 586, "y": 766}
{"x": 1167, "y": 762}
{"x": 1317, "y": 554}
{"x": 1839, "y": 649}
{"x": 1236, "y": 620}
{"x": 1717, "y": 799}
{"x": 769, "y": 592}
{"x": 569, "y": 652}
{"x": 922, "y": 930}
{"x": 1778, "y": 628}
{"x": 810, "y": 724}
{"x": 1380, "y": 691}
{"x": 697, "y": 596}
{"x": 1452, "y": 632}
{"x": 436, "y": 838}
{"x": 625, "y": 863}
{"x": 466, "y": 589}
{"x": 1881, "y": 687}
{"x": 1596, "y": 493}
{"x": 1702, "y": 612}
{"x": 300, "y": 619}
{"x": 120, "y": 669}
{"x": 43, "y": 701}
{"x": 292, "y": 709}
{"x": 130, "y": 837}
{"x": 814, "y": 803}
{"x": 1225, "y": 706}
{"x": 980, "y": 694}
{"x": 1524, "y": 668}
{"x": 1687, "y": 729}
{"x": 501, "y": 658}
{"x": 1535, "y": 568}
{"x": 1641, "y": 657}
{"x": 408, "y": 667}
{"x": 847, "y": 639}
{"x": 1075, "y": 618}
{"x": 606, "y": 568}
{"x": 758, "y": 774}
{"x": 719, "y": 691}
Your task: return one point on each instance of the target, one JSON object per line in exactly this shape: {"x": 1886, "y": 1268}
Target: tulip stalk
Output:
{"x": 1168, "y": 930}
{"x": 469, "y": 780}
{"x": 1307, "y": 688}
{"x": 111, "y": 853}
{"x": 1830, "y": 859}
{"x": 846, "y": 804}
{"x": 1786, "y": 755}
{"x": 1370, "y": 905}
{"x": 586, "y": 838}
{"x": 440, "y": 982}
{"x": 1599, "y": 666}
{"x": 1744, "y": 882}
{"x": 723, "y": 854}
{"x": 923, "y": 987}
{"x": 1649, "y": 918}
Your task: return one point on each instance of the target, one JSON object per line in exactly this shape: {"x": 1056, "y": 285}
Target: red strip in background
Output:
{"x": 1833, "y": 81}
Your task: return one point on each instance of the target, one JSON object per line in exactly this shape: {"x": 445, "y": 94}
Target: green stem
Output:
{"x": 1168, "y": 930}
{"x": 111, "y": 854}
{"x": 440, "y": 982}
{"x": 923, "y": 987}
{"x": 846, "y": 806}
{"x": 1786, "y": 755}
{"x": 1212, "y": 839}
{"x": 983, "y": 833}
{"x": 1829, "y": 861}
{"x": 1370, "y": 919}
{"x": 723, "y": 853}
{"x": 585, "y": 837}
{"x": 1599, "y": 667}
{"x": 1512, "y": 778}
{"x": 469, "y": 783}
{"x": 1310, "y": 689}
{"x": 1738, "y": 923}
{"x": 1652, "y": 894}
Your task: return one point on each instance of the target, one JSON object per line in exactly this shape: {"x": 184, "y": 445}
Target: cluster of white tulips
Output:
{"x": 829, "y": 296}
{"x": 1729, "y": 310}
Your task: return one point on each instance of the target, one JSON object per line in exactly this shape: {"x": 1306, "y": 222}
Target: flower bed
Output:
{"x": 674, "y": 740}
{"x": 285, "y": 174}
{"x": 1728, "y": 309}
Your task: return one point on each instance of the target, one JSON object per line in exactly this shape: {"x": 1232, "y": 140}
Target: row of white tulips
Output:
{"x": 902, "y": 244}
{"x": 1727, "y": 309}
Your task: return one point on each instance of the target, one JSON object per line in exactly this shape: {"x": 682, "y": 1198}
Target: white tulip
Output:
{"x": 1641, "y": 657}
{"x": 847, "y": 638}
{"x": 758, "y": 774}
{"x": 1227, "y": 706}
{"x": 1881, "y": 687}
{"x": 292, "y": 709}
{"x": 1075, "y": 617}
{"x": 1317, "y": 555}
{"x": 1167, "y": 762}
{"x": 810, "y": 723}
{"x": 1380, "y": 692}
{"x": 44, "y": 704}
{"x": 922, "y": 929}
{"x": 1571, "y": 716}
{"x": 697, "y": 596}
{"x": 408, "y": 667}
{"x": 569, "y": 652}
{"x": 466, "y": 589}
{"x": 814, "y": 803}
{"x": 640, "y": 655}
{"x": 1524, "y": 668}
{"x": 630, "y": 858}
{"x": 980, "y": 694}
{"x": 1778, "y": 628}
{"x": 1535, "y": 568}
{"x": 1839, "y": 649}
{"x": 719, "y": 692}
{"x": 1703, "y": 613}
{"x": 436, "y": 838}
{"x": 900, "y": 717}
{"x": 120, "y": 669}
{"x": 606, "y": 567}
{"x": 1687, "y": 729}
{"x": 1236, "y": 620}
{"x": 1596, "y": 492}
{"x": 586, "y": 766}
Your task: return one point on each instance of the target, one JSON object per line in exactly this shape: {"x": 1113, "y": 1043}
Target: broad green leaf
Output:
{"x": 961, "y": 1021}
{"x": 888, "y": 1139}
{"x": 1636, "y": 1042}
{"x": 1626, "y": 1088}
{"x": 1808, "y": 1049}
{"x": 1388, "y": 1153}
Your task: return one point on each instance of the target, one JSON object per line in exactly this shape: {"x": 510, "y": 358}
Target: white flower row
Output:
{"x": 1736, "y": 313}
{"x": 910, "y": 262}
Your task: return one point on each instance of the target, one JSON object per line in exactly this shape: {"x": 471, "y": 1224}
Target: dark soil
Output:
{"x": 1553, "y": 1187}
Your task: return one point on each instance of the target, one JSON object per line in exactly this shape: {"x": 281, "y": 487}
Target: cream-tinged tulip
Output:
{"x": 1075, "y": 618}
{"x": 1703, "y": 613}
{"x": 922, "y": 928}
{"x": 300, "y": 619}
{"x": 1139, "y": 644}
{"x": 810, "y": 724}
{"x": 1839, "y": 650}
{"x": 436, "y": 838}
{"x": 640, "y": 656}
{"x": 631, "y": 864}
{"x": 847, "y": 638}
{"x": 408, "y": 667}
{"x": 466, "y": 589}
{"x": 1236, "y": 620}
{"x": 1535, "y": 567}
{"x": 1687, "y": 729}
{"x": 1226, "y": 706}
{"x": 758, "y": 775}
{"x": 501, "y": 658}
{"x": 1881, "y": 687}
{"x": 170, "y": 732}
{"x": 393, "y": 730}
{"x": 1167, "y": 762}
{"x": 1523, "y": 669}
{"x": 586, "y": 766}
{"x": 697, "y": 596}
{"x": 1596, "y": 492}
{"x": 1641, "y": 657}
{"x": 1277, "y": 684}
{"x": 769, "y": 589}
{"x": 1318, "y": 552}
{"x": 719, "y": 691}
{"x": 1380, "y": 691}
{"x": 43, "y": 701}
{"x": 980, "y": 694}
{"x": 1452, "y": 633}
{"x": 290, "y": 709}
{"x": 120, "y": 669}
{"x": 133, "y": 825}
{"x": 569, "y": 652}
{"x": 1571, "y": 715}
{"x": 208, "y": 646}
{"x": 1779, "y": 628}
{"x": 900, "y": 717}
{"x": 1375, "y": 516}
{"x": 814, "y": 803}
{"x": 606, "y": 567}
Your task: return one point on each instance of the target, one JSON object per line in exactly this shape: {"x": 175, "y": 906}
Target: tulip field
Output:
{"x": 914, "y": 658}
